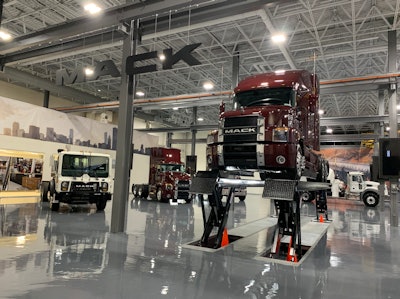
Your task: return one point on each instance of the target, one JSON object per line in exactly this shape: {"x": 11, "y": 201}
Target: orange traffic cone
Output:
{"x": 321, "y": 218}
{"x": 225, "y": 239}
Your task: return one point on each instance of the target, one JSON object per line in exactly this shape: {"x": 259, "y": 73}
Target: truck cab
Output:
{"x": 79, "y": 178}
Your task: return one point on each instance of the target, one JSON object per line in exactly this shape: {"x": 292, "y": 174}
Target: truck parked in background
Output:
{"x": 79, "y": 178}
{"x": 273, "y": 129}
{"x": 167, "y": 180}
{"x": 364, "y": 190}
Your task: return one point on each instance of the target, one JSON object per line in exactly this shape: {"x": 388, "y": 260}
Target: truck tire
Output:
{"x": 137, "y": 190}
{"x": 242, "y": 198}
{"x": 133, "y": 189}
{"x": 189, "y": 199}
{"x": 45, "y": 191}
{"x": 101, "y": 204}
{"x": 370, "y": 199}
{"x": 54, "y": 206}
{"x": 295, "y": 173}
{"x": 159, "y": 195}
{"x": 307, "y": 196}
{"x": 145, "y": 191}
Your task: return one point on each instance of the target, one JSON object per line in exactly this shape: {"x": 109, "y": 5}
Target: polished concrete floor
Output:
{"x": 71, "y": 254}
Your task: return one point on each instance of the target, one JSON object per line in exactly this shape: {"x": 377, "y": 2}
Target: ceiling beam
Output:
{"x": 66, "y": 92}
{"x": 147, "y": 11}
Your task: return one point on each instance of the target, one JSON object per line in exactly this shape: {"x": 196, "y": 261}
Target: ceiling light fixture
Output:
{"x": 321, "y": 112}
{"x": 89, "y": 71}
{"x": 200, "y": 119}
{"x": 140, "y": 93}
{"x": 208, "y": 85}
{"x": 278, "y": 38}
{"x": 4, "y": 35}
{"x": 161, "y": 57}
{"x": 175, "y": 108}
{"x": 329, "y": 131}
{"x": 92, "y": 8}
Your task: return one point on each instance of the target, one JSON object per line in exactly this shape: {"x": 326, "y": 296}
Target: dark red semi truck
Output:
{"x": 273, "y": 128}
{"x": 167, "y": 179}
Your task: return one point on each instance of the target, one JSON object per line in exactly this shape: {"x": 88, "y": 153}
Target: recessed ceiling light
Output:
{"x": 92, "y": 8}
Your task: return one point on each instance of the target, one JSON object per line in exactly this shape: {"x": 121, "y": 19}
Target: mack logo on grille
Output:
{"x": 251, "y": 130}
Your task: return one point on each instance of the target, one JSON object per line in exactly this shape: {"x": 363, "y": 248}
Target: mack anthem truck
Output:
{"x": 167, "y": 180}
{"x": 79, "y": 178}
{"x": 273, "y": 128}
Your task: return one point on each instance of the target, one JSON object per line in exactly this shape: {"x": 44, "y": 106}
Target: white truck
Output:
{"x": 367, "y": 191}
{"x": 79, "y": 178}
{"x": 356, "y": 186}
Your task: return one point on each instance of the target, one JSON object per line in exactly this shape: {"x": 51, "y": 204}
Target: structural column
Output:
{"x": 392, "y": 67}
{"x": 124, "y": 152}
{"x": 46, "y": 99}
{"x": 194, "y": 132}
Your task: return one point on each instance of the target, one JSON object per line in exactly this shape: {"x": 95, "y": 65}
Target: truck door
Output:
{"x": 356, "y": 184}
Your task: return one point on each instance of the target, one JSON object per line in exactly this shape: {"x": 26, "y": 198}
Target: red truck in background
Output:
{"x": 167, "y": 179}
{"x": 273, "y": 128}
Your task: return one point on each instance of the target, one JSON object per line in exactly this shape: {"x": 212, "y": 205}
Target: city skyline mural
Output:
{"x": 20, "y": 119}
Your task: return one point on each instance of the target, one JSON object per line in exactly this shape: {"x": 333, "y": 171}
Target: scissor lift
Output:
{"x": 285, "y": 194}
{"x": 207, "y": 183}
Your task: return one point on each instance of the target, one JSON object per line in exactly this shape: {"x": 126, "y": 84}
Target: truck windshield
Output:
{"x": 78, "y": 165}
{"x": 172, "y": 167}
{"x": 266, "y": 96}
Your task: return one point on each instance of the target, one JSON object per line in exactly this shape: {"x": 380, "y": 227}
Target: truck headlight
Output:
{"x": 104, "y": 186}
{"x": 64, "y": 186}
{"x": 280, "y": 134}
{"x": 169, "y": 187}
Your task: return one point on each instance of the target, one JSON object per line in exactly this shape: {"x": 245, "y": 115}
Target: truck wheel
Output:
{"x": 144, "y": 191}
{"x": 242, "y": 198}
{"x": 101, "y": 204}
{"x": 307, "y": 196}
{"x": 133, "y": 189}
{"x": 54, "y": 206}
{"x": 371, "y": 199}
{"x": 189, "y": 199}
{"x": 45, "y": 191}
{"x": 159, "y": 194}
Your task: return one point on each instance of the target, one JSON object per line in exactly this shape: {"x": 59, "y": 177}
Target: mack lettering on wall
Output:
{"x": 108, "y": 67}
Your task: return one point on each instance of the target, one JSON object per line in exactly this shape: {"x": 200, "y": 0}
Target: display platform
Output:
{"x": 255, "y": 239}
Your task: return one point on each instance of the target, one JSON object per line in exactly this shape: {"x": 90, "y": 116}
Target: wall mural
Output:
{"x": 26, "y": 120}
{"x": 345, "y": 159}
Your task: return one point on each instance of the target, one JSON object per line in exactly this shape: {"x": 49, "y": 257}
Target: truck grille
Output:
{"x": 183, "y": 189}
{"x": 240, "y": 129}
{"x": 79, "y": 187}
{"x": 183, "y": 185}
{"x": 240, "y": 155}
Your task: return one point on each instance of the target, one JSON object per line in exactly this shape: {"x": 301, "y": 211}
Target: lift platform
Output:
{"x": 285, "y": 194}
